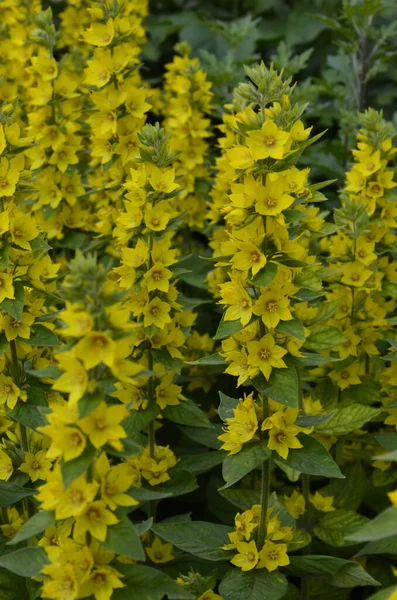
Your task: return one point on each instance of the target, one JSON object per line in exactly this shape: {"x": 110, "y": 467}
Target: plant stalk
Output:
{"x": 265, "y": 487}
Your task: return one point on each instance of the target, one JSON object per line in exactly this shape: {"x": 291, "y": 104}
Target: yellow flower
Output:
{"x": 273, "y": 556}
{"x": 249, "y": 257}
{"x": 282, "y": 432}
{"x": 272, "y": 307}
{"x": 347, "y": 376}
{"x": 9, "y": 392}
{"x": 45, "y": 65}
{"x": 74, "y": 380}
{"x": 295, "y": 504}
{"x": 355, "y": 274}
{"x": 241, "y": 157}
{"x": 102, "y": 425}
{"x": 323, "y": 503}
{"x": 156, "y": 313}
{"x": 158, "y": 552}
{"x": 8, "y": 179}
{"x": 157, "y": 278}
{"x": 14, "y": 328}
{"x": 5, "y": 466}
{"x": 94, "y": 348}
{"x": 298, "y": 131}
{"x": 6, "y": 287}
{"x": 273, "y": 197}
{"x": 368, "y": 163}
{"x": 63, "y": 584}
{"x": 22, "y": 229}
{"x": 95, "y": 520}
{"x": 210, "y": 595}
{"x": 270, "y": 141}
{"x": 79, "y": 322}
{"x": 75, "y": 499}
{"x": 101, "y": 583}
{"x": 265, "y": 355}
{"x": 36, "y": 465}
{"x": 247, "y": 557}
{"x": 114, "y": 482}
{"x": 157, "y": 217}
{"x": 235, "y": 295}
{"x": 135, "y": 257}
{"x": 98, "y": 71}
{"x": 99, "y": 34}
{"x": 3, "y": 142}
{"x": 162, "y": 181}
{"x": 15, "y": 522}
{"x": 67, "y": 442}
{"x": 168, "y": 393}
{"x": 393, "y": 497}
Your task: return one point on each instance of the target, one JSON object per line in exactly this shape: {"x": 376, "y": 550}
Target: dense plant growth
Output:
{"x": 198, "y": 294}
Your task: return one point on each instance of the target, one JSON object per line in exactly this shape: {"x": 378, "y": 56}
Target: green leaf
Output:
{"x": 89, "y": 402}
{"x": 244, "y": 499}
{"x": 348, "y": 493}
{"x": 39, "y": 246}
{"x": 52, "y": 372}
{"x": 201, "y": 463}
{"x": 227, "y": 328}
{"x": 146, "y": 495}
{"x": 187, "y": 413}
{"x": 265, "y": 275}
{"x": 76, "y": 467}
{"x": 383, "y": 526}
{"x": 211, "y": 359}
{"x": 335, "y": 526}
{"x": 162, "y": 356}
{"x": 196, "y": 537}
{"x": 27, "y": 562}
{"x": 293, "y": 328}
{"x": 205, "y": 436}
{"x": 384, "y": 594}
{"x": 301, "y": 539}
{"x": 337, "y": 571}
{"x": 282, "y": 386}
{"x": 139, "y": 419}
{"x": 36, "y": 524}
{"x": 146, "y": 583}
{"x": 313, "y": 360}
{"x": 348, "y": 419}
{"x": 226, "y": 406}
{"x": 10, "y": 493}
{"x": 236, "y": 466}
{"x": 312, "y": 459}
{"x": 123, "y": 539}
{"x": 385, "y": 546}
{"x": 15, "y": 307}
{"x": 309, "y": 279}
{"x": 130, "y": 448}
{"x": 181, "y": 483}
{"x": 27, "y": 414}
{"x": 41, "y": 336}
{"x": 4, "y": 254}
{"x": 12, "y": 587}
{"x": 326, "y": 310}
{"x": 3, "y": 344}
{"x": 325, "y": 337}
{"x": 363, "y": 393}
{"x": 253, "y": 585}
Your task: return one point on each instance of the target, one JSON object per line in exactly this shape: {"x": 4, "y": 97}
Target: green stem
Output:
{"x": 18, "y": 376}
{"x": 265, "y": 487}
{"x": 306, "y": 494}
{"x": 150, "y": 393}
